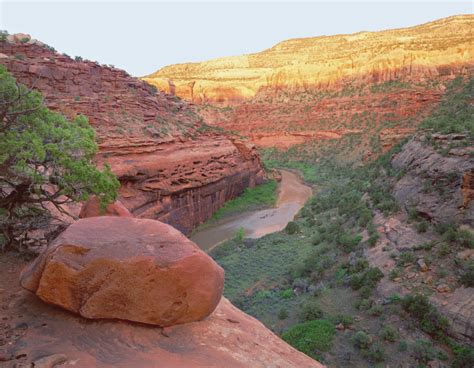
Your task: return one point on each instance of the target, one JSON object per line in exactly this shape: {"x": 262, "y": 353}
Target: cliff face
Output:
{"x": 171, "y": 165}
{"x": 318, "y": 87}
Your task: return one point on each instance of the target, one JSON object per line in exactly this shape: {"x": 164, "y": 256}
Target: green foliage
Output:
{"x": 310, "y": 311}
{"x": 463, "y": 357}
{"x": 239, "y": 234}
{"x": 467, "y": 275}
{"x": 44, "y": 158}
{"x": 423, "y": 351}
{"x": 292, "y": 228}
{"x": 252, "y": 198}
{"x": 456, "y": 112}
{"x": 429, "y": 319}
{"x": 389, "y": 333}
{"x": 361, "y": 340}
{"x": 282, "y": 314}
{"x": 312, "y": 337}
{"x": 287, "y": 294}
{"x": 369, "y": 278}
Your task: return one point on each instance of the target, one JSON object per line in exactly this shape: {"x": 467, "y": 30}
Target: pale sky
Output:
{"x": 142, "y": 36}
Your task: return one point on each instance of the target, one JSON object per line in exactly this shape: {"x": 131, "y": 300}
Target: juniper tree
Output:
{"x": 44, "y": 158}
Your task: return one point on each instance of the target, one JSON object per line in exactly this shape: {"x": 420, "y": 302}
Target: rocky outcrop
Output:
{"x": 374, "y": 85}
{"x": 172, "y": 166}
{"x": 93, "y": 208}
{"x": 124, "y": 268}
{"x": 436, "y": 185}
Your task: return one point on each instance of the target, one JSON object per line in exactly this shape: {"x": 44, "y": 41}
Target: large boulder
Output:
{"x": 127, "y": 268}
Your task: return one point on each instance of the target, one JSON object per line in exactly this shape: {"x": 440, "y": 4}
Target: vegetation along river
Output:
{"x": 292, "y": 195}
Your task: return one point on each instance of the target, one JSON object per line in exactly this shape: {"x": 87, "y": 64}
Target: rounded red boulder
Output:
{"x": 126, "y": 268}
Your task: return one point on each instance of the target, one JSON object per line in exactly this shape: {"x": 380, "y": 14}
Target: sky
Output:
{"x": 143, "y": 36}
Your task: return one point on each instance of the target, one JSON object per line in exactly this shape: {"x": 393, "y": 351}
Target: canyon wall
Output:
{"x": 172, "y": 166}
{"x": 382, "y": 83}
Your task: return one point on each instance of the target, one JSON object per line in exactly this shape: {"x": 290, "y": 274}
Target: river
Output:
{"x": 292, "y": 195}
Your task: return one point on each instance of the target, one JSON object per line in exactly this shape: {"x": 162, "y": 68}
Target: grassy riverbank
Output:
{"x": 260, "y": 196}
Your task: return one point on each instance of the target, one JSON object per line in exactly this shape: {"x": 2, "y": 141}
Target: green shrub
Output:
{"x": 406, "y": 258}
{"x": 361, "y": 340}
{"x": 402, "y": 346}
{"x": 287, "y": 294}
{"x": 345, "y": 319}
{"x": 239, "y": 234}
{"x": 389, "y": 333}
{"x": 463, "y": 357}
{"x": 282, "y": 314}
{"x": 376, "y": 310}
{"x": 310, "y": 311}
{"x": 349, "y": 242}
{"x": 430, "y": 320}
{"x": 375, "y": 354}
{"x": 312, "y": 337}
{"x": 423, "y": 351}
{"x": 422, "y": 227}
{"x": 467, "y": 276}
{"x": 292, "y": 228}
{"x": 368, "y": 278}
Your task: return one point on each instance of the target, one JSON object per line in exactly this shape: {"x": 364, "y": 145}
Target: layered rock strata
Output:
{"x": 172, "y": 166}
{"x": 377, "y": 84}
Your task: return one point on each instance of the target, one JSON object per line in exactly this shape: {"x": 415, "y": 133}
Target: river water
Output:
{"x": 292, "y": 195}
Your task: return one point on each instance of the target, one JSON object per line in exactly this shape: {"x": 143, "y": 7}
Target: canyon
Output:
{"x": 171, "y": 165}
{"x": 374, "y": 84}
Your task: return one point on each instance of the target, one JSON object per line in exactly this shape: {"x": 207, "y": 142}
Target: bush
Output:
{"x": 345, "y": 319}
{"x": 422, "y": 226}
{"x": 368, "y": 278}
{"x": 292, "y": 228}
{"x": 287, "y": 294}
{"x": 467, "y": 276}
{"x": 376, "y": 310}
{"x": 463, "y": 357}
{"x": 239, "y": 234}
{"x": 282, "y": 314}
{"x": 349, "y": 242}
{"x": 312, "y": 337}
{"x": 430, "y": 320}
{"x": 389, "y": 333}
{"x": 361, "y": 340}
{"x": 310, "y": 311}
{"x": 376, "y": 353}
{"x": 423, "y": 351}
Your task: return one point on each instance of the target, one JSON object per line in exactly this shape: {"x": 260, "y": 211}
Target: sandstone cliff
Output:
{"x": 172, "y": 166}
{"x": 423, "y": 51}
{"x": 376, "y": 83}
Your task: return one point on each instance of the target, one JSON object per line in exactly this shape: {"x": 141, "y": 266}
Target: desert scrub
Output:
{"x": 428, "y": 317}
{"x": 311, "y": 338}
{"x": 262, "y": 195}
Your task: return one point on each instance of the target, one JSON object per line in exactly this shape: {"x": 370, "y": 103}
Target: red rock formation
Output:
{"x": 92, "y": 208}
{"x": 172, "y": 166}
{"x": 381, "y": 84}
{"x": 124, "y": 268}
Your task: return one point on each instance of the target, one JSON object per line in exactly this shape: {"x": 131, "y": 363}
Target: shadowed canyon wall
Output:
{"x": 326, "y": 87}
{"x": 172, "y": 166}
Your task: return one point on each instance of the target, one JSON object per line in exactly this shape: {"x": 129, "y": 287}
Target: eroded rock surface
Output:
{"x": 125, "y": 268}
{"x": 437, "y": 186}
